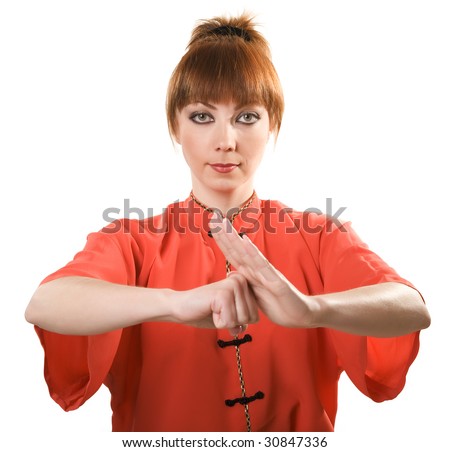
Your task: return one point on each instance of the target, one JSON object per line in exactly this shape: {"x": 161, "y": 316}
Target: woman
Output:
{"x": 147, "y": 307}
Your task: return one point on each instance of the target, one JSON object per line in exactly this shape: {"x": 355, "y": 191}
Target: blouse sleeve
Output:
{"x": 76, "y": 366}
{"x": 377, "y": 366}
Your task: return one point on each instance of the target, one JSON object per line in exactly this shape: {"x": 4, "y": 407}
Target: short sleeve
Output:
{"x": 109, "y": 255}
{"x": 76, "y": 366}
{"x": 377, "y": 366}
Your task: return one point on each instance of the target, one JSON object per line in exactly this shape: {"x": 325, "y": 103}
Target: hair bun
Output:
{"x": 228, "y": 30}
{"x": 221, "y": 28}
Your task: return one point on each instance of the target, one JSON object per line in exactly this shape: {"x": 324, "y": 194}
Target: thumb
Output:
{"x": 237, "y": 330}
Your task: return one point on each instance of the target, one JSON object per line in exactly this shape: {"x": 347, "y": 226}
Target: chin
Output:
{"x": 224, "y": 186}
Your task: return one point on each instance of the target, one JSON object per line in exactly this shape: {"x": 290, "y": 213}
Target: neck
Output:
{"x": 226, "y": 202}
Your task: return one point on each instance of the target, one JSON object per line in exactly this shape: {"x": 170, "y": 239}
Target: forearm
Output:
{"x": 84, "y": 306}
{"x": 382, "y": 310}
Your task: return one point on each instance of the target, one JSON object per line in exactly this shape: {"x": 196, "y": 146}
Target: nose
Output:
{"x": 225, "y": 138}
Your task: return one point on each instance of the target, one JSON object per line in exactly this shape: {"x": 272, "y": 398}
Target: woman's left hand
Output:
{"x": 387, "y": 309}
{"x": 277, "y": 298}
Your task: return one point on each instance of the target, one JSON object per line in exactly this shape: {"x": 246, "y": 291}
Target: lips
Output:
{"x": 223, "y": 167}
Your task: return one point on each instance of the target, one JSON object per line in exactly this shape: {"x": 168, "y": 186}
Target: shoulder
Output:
{"x": 135, "y": 227}
{"x": 307, "y": 222}
{"x": 132, "y": 233}
{"x": 153, "y": 225}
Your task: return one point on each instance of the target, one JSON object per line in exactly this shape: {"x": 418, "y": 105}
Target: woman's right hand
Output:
{"x": 83, "y": 306}
{"x": 228, "y": 303}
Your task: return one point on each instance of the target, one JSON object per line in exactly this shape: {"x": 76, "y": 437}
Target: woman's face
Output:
{"x": 223, "y": 145}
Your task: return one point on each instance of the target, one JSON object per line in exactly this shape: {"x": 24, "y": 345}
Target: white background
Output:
{"x": 82, "y": 127}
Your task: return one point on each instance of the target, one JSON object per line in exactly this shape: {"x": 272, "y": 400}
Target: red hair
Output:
{"x": 226, "y": 60}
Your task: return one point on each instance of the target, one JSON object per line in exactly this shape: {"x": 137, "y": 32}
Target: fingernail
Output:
{"x": 217, "y": 215}
{"x": 237, "y": 330}
{"x": 245, "y": 237}
{"x": 214, "y": 222}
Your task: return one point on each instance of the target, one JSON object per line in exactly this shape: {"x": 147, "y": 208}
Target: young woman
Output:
{"x": 147, "y": 307}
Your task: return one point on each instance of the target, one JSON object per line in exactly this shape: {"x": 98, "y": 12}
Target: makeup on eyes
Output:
{"x": 200, "y": 116}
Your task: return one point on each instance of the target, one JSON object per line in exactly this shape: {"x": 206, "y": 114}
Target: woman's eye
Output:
{"x": 248, "y": 118}
{"x": 201, "y": 118}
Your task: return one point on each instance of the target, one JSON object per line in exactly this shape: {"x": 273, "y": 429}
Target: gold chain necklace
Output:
{"x": 236, "y": 341}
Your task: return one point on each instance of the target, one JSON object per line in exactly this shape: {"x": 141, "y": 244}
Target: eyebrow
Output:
{"x": 212, "y": 107}
{"x": 206, "y": 104}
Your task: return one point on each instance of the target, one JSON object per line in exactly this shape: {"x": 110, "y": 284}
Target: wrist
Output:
{"x": 316, "y": 310}
{"x": 175, "y": 304}
{"x": 161, "y": 306}
{"x": 308, "y": 311}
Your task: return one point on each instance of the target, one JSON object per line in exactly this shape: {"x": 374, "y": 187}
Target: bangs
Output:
{"x": 225, "y": 72}
{"x": 223, "y": 75}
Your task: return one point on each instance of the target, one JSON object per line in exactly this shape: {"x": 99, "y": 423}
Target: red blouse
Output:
{"x": 171, "y": 377}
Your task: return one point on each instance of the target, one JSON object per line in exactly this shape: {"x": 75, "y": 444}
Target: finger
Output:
{"x": 234, "y": 305}
{"x": 224, "y": 309}
{"x": 228, "y": 241}
{"x": 245, "y": 301}
{"x": 237, "y": 283}
{"x": 251, "y": 304}
{"x": 231, "y": 244}
{"x": 256, "y": 260}
{"x": 236, "y": 331}
{"x": 245, "y": 256}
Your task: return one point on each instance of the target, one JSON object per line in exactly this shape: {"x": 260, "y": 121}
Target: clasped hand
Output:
{"x": 255, "y": 284}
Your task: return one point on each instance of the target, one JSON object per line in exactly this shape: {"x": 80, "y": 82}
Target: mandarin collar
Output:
{"x": 197, "y": 219}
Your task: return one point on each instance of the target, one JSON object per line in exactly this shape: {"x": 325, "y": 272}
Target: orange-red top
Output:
{"x": 171, "y": 377}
